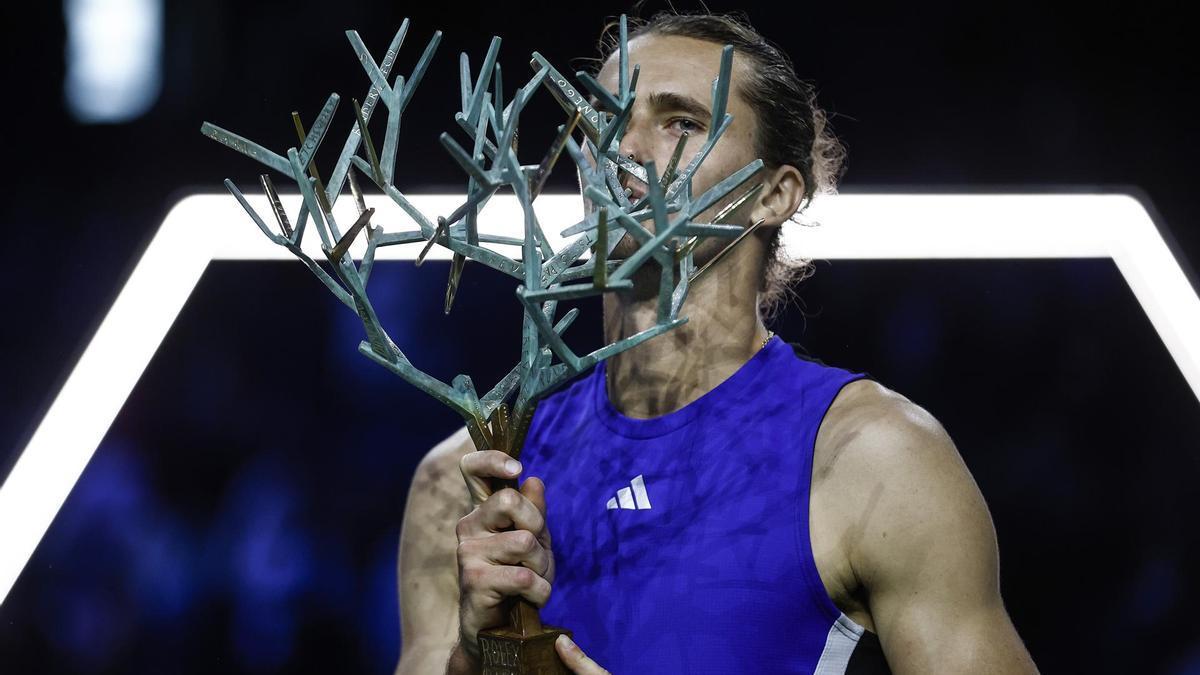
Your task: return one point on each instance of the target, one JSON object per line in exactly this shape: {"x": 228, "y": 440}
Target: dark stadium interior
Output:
{"x": 243, "y": 511}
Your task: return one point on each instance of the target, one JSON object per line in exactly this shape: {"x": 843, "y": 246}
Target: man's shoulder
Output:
{"x": 443, "y": 459}
{"x": 867, "y": 403}
{"x": 891, "y": 468}
{"x": 878, "y": 431}
{"x": 438, "y": 494}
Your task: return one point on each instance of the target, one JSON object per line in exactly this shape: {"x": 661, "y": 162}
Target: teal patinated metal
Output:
{"x": 490, "y": 162}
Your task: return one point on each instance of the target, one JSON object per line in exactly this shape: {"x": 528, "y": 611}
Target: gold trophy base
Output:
{"x": 503, "y": 651}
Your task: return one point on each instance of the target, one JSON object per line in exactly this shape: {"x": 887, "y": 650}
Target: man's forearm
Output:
{"x": 425, "y": 658}
{"x": 460, "y": 663}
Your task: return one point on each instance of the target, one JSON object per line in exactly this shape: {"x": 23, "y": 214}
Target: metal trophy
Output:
{"x": 500, "y": 418}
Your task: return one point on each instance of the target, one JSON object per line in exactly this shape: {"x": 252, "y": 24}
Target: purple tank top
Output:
{"x": 682, "y": 541}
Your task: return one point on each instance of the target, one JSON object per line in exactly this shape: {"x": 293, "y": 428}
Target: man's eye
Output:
{"x": 682, "y": 124}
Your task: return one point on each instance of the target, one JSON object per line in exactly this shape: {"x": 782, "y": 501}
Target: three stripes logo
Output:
{"x": 633, "y": 497}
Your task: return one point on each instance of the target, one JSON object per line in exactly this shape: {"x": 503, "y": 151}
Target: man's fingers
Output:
{"x": 517, "y": 547}
{"x": 503, "y": 581}
{"x": 535, "y": 491}
{"x": 574, "y": 658}
{"x": 479, "y": 467}
{"x": 510, "y": 509}
{"x": 505, "y": 510}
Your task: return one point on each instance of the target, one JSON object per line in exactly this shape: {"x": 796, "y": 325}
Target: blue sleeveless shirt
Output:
{"x": 681, "y": 542}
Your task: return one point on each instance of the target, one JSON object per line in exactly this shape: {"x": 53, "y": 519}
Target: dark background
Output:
{"x": 242, "y": 513}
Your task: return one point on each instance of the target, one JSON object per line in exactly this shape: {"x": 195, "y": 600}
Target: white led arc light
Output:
{"x": 204, "y": 228}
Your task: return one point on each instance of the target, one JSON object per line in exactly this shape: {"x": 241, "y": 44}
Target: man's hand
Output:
{"x": 574, "y": 658}
{"x": 503, "y": 546}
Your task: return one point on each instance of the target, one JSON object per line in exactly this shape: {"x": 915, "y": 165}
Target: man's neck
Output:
{"x": 722, "y": 333}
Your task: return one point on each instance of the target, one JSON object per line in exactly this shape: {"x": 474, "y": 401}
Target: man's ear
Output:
{"x": 780, "y": 198}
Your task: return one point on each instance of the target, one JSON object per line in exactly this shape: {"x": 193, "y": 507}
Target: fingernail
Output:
{"x": 567, "y": 642}
{"x": 512, "y": 466}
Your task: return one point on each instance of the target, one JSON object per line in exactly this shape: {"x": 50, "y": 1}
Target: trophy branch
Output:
{"x": 662, "y": 223}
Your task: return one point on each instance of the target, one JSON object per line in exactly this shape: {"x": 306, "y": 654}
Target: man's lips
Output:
{"x": 635, "y": 187}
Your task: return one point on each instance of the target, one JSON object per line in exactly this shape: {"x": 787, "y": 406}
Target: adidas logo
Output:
{"x": 632, "y": 497}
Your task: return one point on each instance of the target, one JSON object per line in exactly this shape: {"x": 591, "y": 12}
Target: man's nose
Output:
{"x": 631, "y": 150}
{"x": 633, "y": 142}
{"x": 632, "y": 147}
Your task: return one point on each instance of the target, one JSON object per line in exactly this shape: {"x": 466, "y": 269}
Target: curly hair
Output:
{"x": 792, "y": 129}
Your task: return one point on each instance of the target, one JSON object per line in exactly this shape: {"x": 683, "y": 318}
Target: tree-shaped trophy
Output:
{"x": 661, "y": 223}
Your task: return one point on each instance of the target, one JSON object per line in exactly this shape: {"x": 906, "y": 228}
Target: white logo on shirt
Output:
{"x": 632, "y": 497}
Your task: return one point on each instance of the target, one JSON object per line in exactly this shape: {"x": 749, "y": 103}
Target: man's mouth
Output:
{"x": 634, "y": 188}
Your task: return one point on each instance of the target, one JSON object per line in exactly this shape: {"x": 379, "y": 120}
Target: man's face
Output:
{"x": 674, "y": 95}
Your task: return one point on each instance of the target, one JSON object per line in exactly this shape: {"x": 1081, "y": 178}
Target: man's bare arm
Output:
{"x": 924, "y": 548}
{"x": 428, "y": 569}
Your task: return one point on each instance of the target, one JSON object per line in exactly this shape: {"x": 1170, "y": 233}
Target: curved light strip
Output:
{"x": 203, "y": 228}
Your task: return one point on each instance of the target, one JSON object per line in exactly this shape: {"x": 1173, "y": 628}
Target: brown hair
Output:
{"x": 792, "y": 128}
